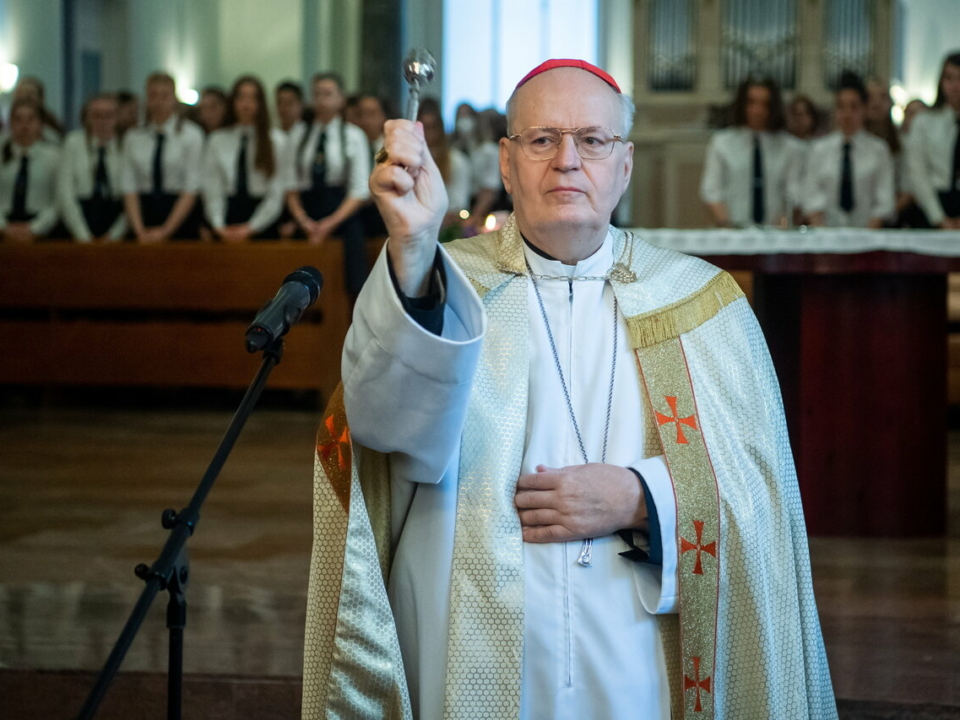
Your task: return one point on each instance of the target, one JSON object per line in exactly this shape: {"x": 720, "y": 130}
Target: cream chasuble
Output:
{"x": 491, "y": 627}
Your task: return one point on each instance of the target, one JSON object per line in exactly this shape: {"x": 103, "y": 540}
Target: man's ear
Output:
{"x": 627, "y": 165}
{"x": 505, "y": 164}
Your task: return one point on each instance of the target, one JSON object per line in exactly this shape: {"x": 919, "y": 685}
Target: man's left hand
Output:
{"x": 579, "y": 501}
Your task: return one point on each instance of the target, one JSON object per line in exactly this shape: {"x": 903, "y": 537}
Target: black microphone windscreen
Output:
{"x": 310, "y": 277}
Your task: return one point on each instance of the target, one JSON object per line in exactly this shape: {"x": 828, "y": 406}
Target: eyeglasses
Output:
{"x": 542, "y": 143}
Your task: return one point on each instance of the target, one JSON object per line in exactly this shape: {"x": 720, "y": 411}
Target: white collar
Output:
{"x": 327, "y": 126}
{"x": 167, "y": 128}
{"x": 20, "y": 151}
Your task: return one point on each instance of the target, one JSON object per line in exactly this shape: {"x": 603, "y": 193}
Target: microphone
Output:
{"x": 298, "y": 292}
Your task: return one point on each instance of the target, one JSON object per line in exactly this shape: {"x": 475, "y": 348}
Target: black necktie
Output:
{"x": 158, "y": 165}
{"x": 759, "y": 212}
{"x": 319, "y": 167}
{"x": 101, "y": 182}
{"x": 242, "y": 188}
{"x": 846, "y": 180}
{"x": 18, "y": 208}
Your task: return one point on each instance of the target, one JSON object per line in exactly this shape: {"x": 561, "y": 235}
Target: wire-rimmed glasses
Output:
{"x": 542, "y": 143}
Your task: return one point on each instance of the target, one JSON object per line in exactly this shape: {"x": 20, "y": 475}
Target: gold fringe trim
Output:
{"x": 673, "y": 320}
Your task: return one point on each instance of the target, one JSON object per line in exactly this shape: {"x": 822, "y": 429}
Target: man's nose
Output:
{"x": 567, "y": 157}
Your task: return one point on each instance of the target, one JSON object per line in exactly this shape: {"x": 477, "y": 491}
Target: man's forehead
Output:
{"x": 568, "y": 91}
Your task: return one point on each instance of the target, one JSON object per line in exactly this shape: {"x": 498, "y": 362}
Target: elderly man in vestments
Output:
{"x": 557, "y": 482}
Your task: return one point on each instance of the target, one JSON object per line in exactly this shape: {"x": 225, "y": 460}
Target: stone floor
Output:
{"x": 80, "y": 498}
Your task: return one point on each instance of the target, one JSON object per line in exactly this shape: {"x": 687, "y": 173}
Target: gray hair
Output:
{"x": 627, "y": 110}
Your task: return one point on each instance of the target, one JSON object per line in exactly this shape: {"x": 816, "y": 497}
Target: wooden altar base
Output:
{"x": 859, "y": 344}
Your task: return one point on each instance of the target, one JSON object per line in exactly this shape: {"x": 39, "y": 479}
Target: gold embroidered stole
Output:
{"x": 655, "y": 337}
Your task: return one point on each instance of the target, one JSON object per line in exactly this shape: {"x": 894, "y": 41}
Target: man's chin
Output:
{"x": 563, "y": 218}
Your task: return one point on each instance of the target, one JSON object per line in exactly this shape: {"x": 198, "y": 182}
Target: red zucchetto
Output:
{"x": 567, "y": 62}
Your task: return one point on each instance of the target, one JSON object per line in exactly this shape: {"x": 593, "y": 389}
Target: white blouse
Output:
{"x": 182, "y": 152}
{"x": 929, "y": 152}
{"x": 219, "y": 176}
{"x": 42, "y": 167}
{"x": 873, "y": 185}
{"x": 78, "y": 171}
{"x": 345, "y": 166}
{"x": 728, "y": 174}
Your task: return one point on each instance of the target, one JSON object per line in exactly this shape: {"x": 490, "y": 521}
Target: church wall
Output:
{"x": 30, "y": 36}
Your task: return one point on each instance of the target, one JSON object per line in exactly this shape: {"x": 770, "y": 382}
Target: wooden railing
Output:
{"x": 169, "y": 315}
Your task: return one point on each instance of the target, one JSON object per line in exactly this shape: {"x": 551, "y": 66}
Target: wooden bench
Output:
{"x": 167, "y": 315}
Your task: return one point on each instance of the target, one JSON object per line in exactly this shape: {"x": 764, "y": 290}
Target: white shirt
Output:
{"x": 592, "y": 645}
{"x": 352, "y": 172}
{"x": 78, "y": 169}
{"x": 219, "y": 176}
{"x": 295, "y": 131}
{"x": 459, "y": 183}
{"x": 728, "y": 174}
{"x": 182, "y": 153}
{"x": 929, "y": 149}
{"x": 42, "y": 167}
{"x": 873, "y": 184}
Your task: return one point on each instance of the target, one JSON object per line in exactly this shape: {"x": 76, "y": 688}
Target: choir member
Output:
{"x": 933, "y": 151}
{"x": 453, "y": 165}
{"x": 909, "y": 213}
{"x": 752, "y": 171}
{"x": 32, "y": 88}
{"x": 28, "y": 177}
{"x": 128, "y": 112}
{"x": 850, "y": 177}
{"x": 370, "y": 117}
{"x": 242, "y": 184}
{"x": 91, "y": 201}
{"x": 803, "y": 118}
{"x": 910, "y": 112}
{"x": 212, "y": 108}
{"x": 878, "y": 115}
{"x": 327, "y": 182}
{"x": 161, "y": 168}
{"x": 289, "y": 101}
{"x": 350, "y": 111}
{"x": 466, "y": 129}
{"x": 487, "y": 185}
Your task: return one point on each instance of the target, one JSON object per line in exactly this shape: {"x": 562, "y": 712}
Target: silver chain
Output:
{"x": 587, "y": 547}
{"x": 570, "y": 278}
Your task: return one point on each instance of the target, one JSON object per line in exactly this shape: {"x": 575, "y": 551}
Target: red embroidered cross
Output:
{"x": 336, "y": 443}
{"x": 662, "y": 419}
{"x": 687, "y": 546}
{"x": 696, "y": 683}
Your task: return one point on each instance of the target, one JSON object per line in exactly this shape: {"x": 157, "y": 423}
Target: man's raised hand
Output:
{"x": 412, "y": 200}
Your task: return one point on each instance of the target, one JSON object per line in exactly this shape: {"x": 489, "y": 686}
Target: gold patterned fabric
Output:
{"x": 748, "y": 641}
{"x": 667, "y": 383}
{"x": 352, "y": 663}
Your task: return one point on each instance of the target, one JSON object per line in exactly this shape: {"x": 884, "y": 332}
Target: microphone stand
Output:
{"x": 171, "y": 571}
